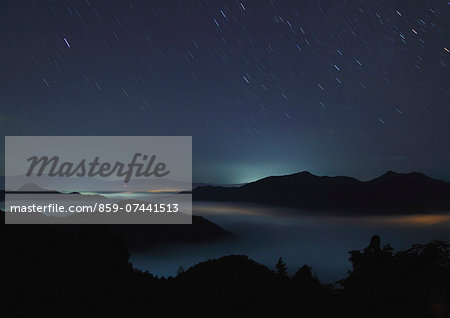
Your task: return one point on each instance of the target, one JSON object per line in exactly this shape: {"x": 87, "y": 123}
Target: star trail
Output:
{"x": 264, "y": 87}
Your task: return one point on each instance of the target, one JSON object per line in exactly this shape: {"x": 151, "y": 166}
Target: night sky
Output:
{"x": 264, "y": 87}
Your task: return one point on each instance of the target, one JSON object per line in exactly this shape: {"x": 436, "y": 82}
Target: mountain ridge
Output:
{"x": 390, "y": 192}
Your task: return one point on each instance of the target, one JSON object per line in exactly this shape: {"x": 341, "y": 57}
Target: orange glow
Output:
{"x": 421, "y": 219}
{"x": 164, "y": 190}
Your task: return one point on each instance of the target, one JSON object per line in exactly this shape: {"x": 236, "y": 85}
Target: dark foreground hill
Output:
{"x": 137, "y": 237}
{"x": 142, "y": 236}
{"x": 149, "y": 236}
{"x": 87, "y": 273}
{"x": 392, "y": 192}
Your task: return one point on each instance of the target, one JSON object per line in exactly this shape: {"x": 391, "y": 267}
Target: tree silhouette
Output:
{"x": 180, "y": 270}
{"x": 281, "y": 268}
{"x": 89, "y": 260}
{"x": 305, "y": 276}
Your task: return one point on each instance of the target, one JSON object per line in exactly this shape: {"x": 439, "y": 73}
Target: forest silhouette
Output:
{"x": 87, "y": 272}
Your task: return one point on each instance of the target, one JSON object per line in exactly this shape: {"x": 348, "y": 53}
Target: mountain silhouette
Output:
{"x": 390, "y": 193}
{"x": 32, "y": 188}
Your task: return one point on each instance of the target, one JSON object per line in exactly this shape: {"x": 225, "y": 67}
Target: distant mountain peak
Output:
{"x": 399, "y": 192}
{"x": 402, "y": 177}
{"x": 31, "y": 187}
{"x": 304, "y": 173}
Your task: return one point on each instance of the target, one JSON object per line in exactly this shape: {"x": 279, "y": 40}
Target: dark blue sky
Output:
{"x": 264, "y": 87}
